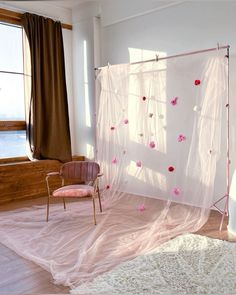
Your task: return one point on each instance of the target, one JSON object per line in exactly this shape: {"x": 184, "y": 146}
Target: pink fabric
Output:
{"x": 75, "y": 251}
{"x": 74, "y": 191}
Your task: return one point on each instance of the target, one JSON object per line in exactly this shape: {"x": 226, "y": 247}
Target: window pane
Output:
{"x": 12, "y": 144}
{"x": 11, "y": 54}
{"x": 12, "y": 97}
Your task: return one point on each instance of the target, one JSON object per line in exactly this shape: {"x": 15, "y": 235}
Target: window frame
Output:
{"x": 12, "y": 125}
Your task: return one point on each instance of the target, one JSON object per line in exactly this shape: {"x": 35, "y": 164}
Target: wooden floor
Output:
{"x": 20, "y": 276}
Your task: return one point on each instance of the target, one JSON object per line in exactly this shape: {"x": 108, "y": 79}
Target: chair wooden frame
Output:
{"x": 94, "y": 184}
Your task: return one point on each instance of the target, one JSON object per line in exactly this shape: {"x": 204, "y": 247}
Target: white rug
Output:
{"x": 188, "y": 264}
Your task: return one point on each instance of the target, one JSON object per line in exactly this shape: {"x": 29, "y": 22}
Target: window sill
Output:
{"x": 13, "y": 160}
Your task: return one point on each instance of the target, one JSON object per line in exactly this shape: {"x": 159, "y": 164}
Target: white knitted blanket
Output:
{"x": 188, "y": 264}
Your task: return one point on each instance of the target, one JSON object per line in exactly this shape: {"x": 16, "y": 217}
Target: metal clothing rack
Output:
{"x": 174, "y": 56}
{"x": 225, "y": 211}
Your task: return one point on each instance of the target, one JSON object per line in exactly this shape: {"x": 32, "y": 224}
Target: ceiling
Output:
{"x": 59, "y": 3}
{"x": 68, "y": 3}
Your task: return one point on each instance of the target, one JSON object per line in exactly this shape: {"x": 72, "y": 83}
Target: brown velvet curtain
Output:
{"x": 48, "y": 129}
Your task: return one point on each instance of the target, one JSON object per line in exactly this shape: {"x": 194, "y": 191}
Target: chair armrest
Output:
{"x": 47, "y": 180}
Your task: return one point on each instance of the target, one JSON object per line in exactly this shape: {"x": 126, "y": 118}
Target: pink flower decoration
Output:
{"x": 108, "y": 186}
{"x": 181, "y": 138}
{"x": 112, "y": 128}
{"x": 152, "y": 144}
{"x": 176, "y": 191}
{"x": 171, "y": 168}
{"x": 139, "y": 164}
{"x": 126, "y": 121}
{"x": 141, "y": 207}
{"x": 197, "y": 82}
{"x": 114, "y": 161}
{"x": 174, "y": 101}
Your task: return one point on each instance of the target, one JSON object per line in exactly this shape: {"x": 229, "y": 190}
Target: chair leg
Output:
{"x": 94, "y": 211}
{"x": 99, "y": 198}
{"x": 64, "y": 202}
{"x": 48, "y": 203}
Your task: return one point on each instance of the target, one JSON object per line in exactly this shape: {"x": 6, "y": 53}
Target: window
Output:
{"x": 12, "y": 106}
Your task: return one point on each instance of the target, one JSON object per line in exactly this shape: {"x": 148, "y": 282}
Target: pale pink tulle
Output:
{"x": 75, "y": 251}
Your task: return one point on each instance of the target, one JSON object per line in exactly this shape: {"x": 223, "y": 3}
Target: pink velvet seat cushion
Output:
{"x": 76, "y": 190}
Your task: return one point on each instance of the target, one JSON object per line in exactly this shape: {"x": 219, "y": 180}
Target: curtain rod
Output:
{"x": 10, "y": 16}
{"x": 173, "y": 56}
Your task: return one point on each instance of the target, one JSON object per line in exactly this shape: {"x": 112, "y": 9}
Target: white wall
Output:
{"x": 182, "y": 27}
{"x": 118, "y": 11}
{"x": 64, "y": 15}
{"x": 186, "y": 26}
{"x": 85, "y": 32}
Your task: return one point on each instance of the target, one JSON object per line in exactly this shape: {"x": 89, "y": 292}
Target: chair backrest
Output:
{"x": 80, "y": 170}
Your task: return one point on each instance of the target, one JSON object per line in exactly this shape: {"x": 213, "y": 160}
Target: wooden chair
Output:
{"x": 80, "y": 172}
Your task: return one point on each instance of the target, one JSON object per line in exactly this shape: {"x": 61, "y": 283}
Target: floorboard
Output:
{"x": 20, "y": 276}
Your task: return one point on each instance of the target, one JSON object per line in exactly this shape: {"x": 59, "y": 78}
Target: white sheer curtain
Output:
{"x": 159, "y": 128}
{"x": 158, "y": 143}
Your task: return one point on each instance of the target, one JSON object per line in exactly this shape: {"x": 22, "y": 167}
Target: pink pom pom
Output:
{"x": 197, "y": 82}
{"x": 176, "y": 191}
{"x": 174, "y": 101}
{"x": 114, "y": 161}
{"x": 181, "y": 138}
{"x": 141, "y": 207}
{"x": 152, "y": 144}
{"x": 126, "y": 121}
{"x": 171, "y": 168}
{"x": 138, "y": 163}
